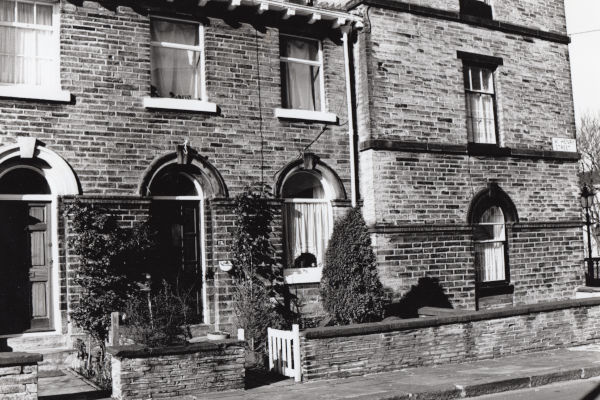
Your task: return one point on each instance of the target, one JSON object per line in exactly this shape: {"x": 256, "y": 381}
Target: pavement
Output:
{"x": 453, "y": 381}
{"x": 440, "y": 382}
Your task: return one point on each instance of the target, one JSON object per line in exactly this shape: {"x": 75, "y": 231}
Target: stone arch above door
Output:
{"x": 189, "y": 161}
{"x": 59, "y": 174}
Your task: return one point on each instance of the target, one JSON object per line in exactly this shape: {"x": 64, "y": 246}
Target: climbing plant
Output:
{"x": 257, "y": 273}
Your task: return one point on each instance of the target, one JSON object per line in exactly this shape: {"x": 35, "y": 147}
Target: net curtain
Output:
{"x": 26, "y": 54}
{"x": 175, "y": 72}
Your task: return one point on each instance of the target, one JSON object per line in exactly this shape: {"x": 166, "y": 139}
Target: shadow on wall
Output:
{"x": 426, "y": 293}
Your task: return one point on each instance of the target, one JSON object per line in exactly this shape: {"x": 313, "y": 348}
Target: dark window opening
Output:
{"x": 23, "y": 181}
{"x": 476, "y": 8}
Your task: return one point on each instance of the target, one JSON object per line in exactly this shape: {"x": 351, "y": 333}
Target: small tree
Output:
{"x": 350, "y": 286}
{"x": 255, "y": 267}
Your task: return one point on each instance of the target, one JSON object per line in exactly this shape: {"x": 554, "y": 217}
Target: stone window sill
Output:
{"x": 180, "y": 104}
{"x": 294, "y": 276}
{"x": 487, "y": 289}
{"x": 305, "y": 115}
{"x": 35, "y": 93}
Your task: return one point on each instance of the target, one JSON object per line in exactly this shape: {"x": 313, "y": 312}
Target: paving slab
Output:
{"x": 67, "y": 386}
{"x": 439, "y": 382}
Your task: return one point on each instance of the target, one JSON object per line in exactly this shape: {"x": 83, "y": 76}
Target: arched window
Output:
{"x": 490, "y": 213}
{"x": 307, "y": 219}
{"x": 491, "y": 246}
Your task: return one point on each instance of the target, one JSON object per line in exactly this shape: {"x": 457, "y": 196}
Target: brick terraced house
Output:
{"x": 439, "y": 117}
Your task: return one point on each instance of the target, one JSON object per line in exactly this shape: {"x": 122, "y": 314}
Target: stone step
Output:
{"x": 56, "y": 359}
{"x": 199, "y": 330}
{"x": 36, "y": 342}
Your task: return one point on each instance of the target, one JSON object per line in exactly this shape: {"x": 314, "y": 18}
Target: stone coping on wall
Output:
{"x": 474, "y": 149}
{"x": 139, "y": 351}
{"x": 8, "y": 359}
{"x": 428, "y": 322}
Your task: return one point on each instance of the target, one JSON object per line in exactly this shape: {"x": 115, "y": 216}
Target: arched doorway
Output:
{"x": 177, "y": 214}
{"x": 32, "y": 178}
{"x": 25, "y": 244}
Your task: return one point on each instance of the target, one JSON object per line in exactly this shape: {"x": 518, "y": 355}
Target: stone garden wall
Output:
{"x": 177, "y": 371}
{"x": 337, "y": 352}
{"x": 19, "y": 376}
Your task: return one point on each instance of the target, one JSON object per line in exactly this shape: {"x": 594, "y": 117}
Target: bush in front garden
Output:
{"x": 350, "y": 286}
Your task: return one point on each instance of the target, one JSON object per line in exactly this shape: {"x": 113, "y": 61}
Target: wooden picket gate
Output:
{"x": 284, "y": 352}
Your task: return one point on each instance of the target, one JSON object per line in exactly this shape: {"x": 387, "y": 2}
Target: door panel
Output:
{"x": 24, "y": 266}
{"x": 39, "y": 277}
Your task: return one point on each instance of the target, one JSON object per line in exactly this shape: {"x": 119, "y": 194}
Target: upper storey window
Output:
{"x": 301, "y": 73}
{"x": 480, "y": 98}
{"x": 177, "y": 58}
{"x": 476, "y": 8}
{"x": 29, "y": 50}
{"x": 302, "y": 83}
{"x": 178, "y": 76}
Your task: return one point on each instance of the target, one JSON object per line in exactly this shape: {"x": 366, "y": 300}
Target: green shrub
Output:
{"x": 350, "y": 286}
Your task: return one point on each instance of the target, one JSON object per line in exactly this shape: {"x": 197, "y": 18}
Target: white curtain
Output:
{"x": 175, "y": 72}
{"x": 307, "y": 230}
{"x": 26, "y": 54}
{"x": 491, "y": 258}
{"x": 490, "y": 250}
{"x": 480, "y": 111}
{"x": 301, "y": 82}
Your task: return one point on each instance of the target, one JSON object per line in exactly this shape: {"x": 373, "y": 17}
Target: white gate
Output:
{"x": 284, "y": 352}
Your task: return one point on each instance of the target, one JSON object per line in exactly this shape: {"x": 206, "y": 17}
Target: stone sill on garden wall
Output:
{"x": 9, "y": 359}
{"x": 460, "y": 317}
{"x": 139, "y": 351}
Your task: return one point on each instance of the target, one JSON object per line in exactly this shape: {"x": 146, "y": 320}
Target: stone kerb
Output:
{"x": 19, "y": 375}
{"x": 337, "y": 352}
{"x": 176, "y": 371}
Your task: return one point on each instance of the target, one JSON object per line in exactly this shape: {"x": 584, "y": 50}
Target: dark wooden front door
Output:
{"x": 178, "y": 225}
{"x": 25, "y": 262}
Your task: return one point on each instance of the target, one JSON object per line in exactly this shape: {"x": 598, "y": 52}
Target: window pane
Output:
{"x": 299, "y": 48}
{"x": 25, "y": 13}
{"x": 23, "y": 181}
{"x": 175, "y": 32}
{"x": 302, "y": 185}
{"x": 25, "y": 42}
{"x": 481, "y": 125}
{"x": 175, "y": 73}
{"x": 45, "y": 48}
{"x": 488, "y": 83}
{"x": 467, "y": 77}
{"x": 490, "y": 260}
{"x": 476, "y": 78}
{"x": 173, "y": 184}
{"x": 43, "y": 15}
{"x": 300, "y": 86}
{"x": 7, "y": 11}
{"x": 307, "y": 230}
